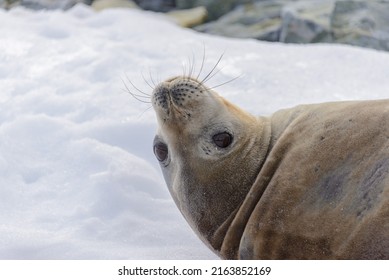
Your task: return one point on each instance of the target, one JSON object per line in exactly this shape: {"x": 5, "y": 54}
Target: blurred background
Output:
{"x": 359, "y": 23}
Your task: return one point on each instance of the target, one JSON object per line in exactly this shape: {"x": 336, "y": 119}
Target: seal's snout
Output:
{"x": 183, "y": 91}
{"x": 180, "y": 93}
{"x": 160, "y": 97}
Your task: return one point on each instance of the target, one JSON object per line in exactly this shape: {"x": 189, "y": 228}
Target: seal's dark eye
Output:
{"x": 160, "y": 151}
{"x": 222, "y": 140}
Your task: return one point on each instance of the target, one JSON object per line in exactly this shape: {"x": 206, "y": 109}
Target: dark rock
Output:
{"x": 261, "y": 20}
{"x": 361, "y": 23}
{"x": 156, "y": 5}
{"x": 215, "y": 8}
{"x": 307, "y": 22}
{"x": 8, "y": 4}
{"x": 51, "y": 4}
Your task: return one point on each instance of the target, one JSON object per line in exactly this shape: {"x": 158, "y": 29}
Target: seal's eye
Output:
{"x": 160, "y": 151}
{"x": 222, "y": 140}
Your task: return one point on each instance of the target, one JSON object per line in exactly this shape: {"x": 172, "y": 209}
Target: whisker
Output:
{"x": 192, "y": 65}
{"x": 188, "y": 64}
{"x": 145, "y": 111}
{"x": 147, "y": 82}
{"x": 151, "y": 78}
{"x": 229, "y": 81}
{"x": 202, "y": 63}
{"x": 213, "y": 69}
{"x": 213, "y": 75}
{"x": 146, "y": 94}
{"x": 183, "y": 68}
{"x": 138, "y": 97}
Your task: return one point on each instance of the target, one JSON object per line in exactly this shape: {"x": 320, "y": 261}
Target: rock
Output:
{"x": 51, "y": 4}
{"x": 9, "y": 4}
{"x": 307, "y": 22}
{"x": 215, "y": 8}
{"x": 99, "y": 5}
{"x": 187, "y": 4}
{"x": 362, "y": 23}
{"x": 189, "y": 17}
{"x": 261, "y": 20}
{"x": 156, "y": 5}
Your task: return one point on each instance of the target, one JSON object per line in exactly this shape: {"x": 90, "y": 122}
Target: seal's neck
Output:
{"x": 230, "y": 233}
{"x": 226, "y": 238}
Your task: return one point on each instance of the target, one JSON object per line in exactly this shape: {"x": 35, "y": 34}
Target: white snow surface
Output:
{"x": 78, "y": 179}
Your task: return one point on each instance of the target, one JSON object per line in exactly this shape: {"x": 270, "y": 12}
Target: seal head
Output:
{"x": 204, "y": 144}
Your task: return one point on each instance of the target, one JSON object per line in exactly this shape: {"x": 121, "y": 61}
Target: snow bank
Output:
{"x": 78, "y": 179}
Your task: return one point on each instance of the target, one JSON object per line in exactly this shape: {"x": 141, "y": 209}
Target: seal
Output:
{"x": 309, "y": 182}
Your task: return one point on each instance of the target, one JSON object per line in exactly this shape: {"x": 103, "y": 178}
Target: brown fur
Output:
{"x": 323, "y": 191}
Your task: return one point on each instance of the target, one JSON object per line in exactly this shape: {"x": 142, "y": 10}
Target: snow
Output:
{"x": 78, "y": 179}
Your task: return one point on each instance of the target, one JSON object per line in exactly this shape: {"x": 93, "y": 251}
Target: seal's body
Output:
{"x": 311, "y": 182}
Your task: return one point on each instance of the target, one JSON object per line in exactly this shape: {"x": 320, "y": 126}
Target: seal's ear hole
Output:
{"x": 222, "y": 140}
{"x": 161, "y": 151}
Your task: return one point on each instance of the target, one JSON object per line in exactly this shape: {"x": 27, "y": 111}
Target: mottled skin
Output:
{"x": 310, "y": 182}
